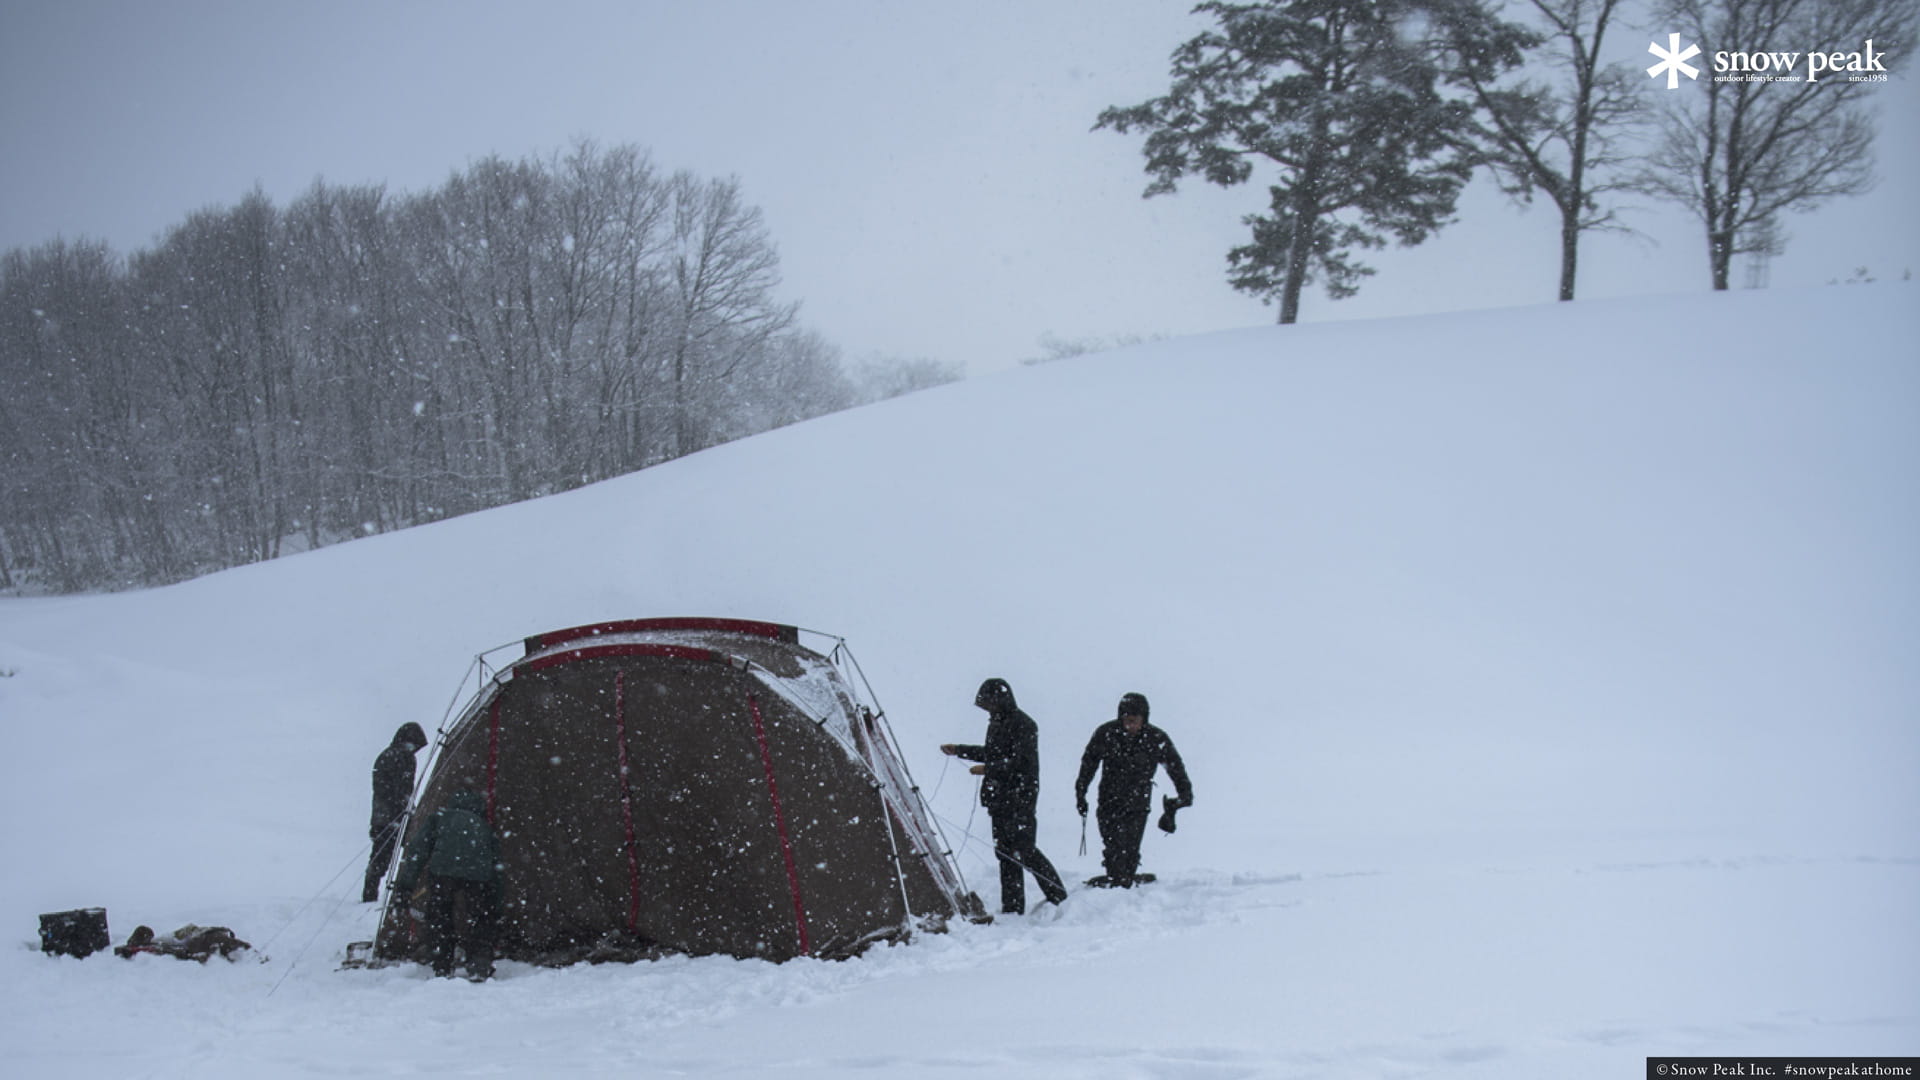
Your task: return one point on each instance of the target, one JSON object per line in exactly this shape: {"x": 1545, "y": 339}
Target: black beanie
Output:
{"x": 1133, "y": 705}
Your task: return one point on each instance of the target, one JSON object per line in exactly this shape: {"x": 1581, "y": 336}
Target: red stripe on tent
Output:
{"x": 780, "y": 824}
{"x": 626, "y": 798}
{"x": 493, "y": 758}
{"x": 594, "y": 652}
{"x": 752, "y": 627}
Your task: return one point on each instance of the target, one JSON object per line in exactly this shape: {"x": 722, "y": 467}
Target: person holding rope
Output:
{"x": 1126, "y": 750}
{"x": 1010, "y": 790}
{"x": 392, "y": 787}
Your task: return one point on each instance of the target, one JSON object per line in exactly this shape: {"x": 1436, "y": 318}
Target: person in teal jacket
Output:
{"x": 458, "y": 852}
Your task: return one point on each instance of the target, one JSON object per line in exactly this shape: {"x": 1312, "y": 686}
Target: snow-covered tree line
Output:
{"x": 1367, "y": 118}
{"x": 275, "y": 378}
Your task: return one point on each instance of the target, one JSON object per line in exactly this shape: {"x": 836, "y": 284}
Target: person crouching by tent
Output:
{"x": 392, "y": 787}
{"x": 1010, "y": 790}
{"x": 1126, "y": 750}
{"x": 460, "y": 855}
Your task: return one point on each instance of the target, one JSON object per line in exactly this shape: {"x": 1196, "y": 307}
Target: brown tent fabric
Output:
{"x": 689, "y": 786}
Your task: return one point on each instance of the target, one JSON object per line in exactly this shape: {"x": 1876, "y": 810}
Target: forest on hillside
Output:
{"x": 269, "y": 379}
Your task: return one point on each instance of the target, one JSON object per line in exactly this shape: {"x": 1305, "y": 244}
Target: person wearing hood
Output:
{"x": 1125, "y": 751}
{"x": 458, "y": 852}
{"x": 392, "y": 787}
{"x": 1010, "y": 790}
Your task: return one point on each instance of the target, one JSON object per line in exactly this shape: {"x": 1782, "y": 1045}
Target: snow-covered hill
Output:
{"x": 1547, "y": 677}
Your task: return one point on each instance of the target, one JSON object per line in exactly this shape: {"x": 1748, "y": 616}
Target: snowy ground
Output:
{"x": 1548, "y": 679}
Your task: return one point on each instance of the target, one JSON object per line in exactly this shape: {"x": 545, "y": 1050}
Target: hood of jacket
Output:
{"x": 995, "y": 696}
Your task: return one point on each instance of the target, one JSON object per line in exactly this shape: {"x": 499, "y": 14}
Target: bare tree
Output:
{"x": 62, "y": 496}
{"x": 724, "y": 268}
{"x": 798, "y": 376}
{"x": 358, "y": 362}
{"x": 879, "y": 377}
{"x": 604, "y": 281}
{"x": 475, "y": 241}
{"x": 1054, "y": 347}
{"x": 1739, "y": 152}
{"x": 366, "y": 459}
{"x": 1568, "y": 138}
{"x": 215, "y": 306}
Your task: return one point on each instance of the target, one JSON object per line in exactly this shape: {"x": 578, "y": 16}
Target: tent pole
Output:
{"x": 899, "y": 870}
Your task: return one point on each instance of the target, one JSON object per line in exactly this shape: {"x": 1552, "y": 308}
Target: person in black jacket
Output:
{"x": 1126, "y": 751}
{"x": 392, "y": 787}
{"x": 1010, "y": 789}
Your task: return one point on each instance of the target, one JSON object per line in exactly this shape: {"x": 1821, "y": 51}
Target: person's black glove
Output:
{"x": 1168, "y": 807}
{"x": 1080, "y": 802}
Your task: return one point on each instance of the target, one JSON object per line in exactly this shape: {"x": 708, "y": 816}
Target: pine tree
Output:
{"x": 1344, "y": 100}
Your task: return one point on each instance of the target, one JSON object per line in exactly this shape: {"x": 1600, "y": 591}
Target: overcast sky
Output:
{"x": 927, "y": 170}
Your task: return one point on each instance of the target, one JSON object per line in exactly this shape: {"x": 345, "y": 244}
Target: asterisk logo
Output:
{"x": 1673, "y": 61}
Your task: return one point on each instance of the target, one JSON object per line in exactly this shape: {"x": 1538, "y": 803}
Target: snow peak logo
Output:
{"x": 1673, "y": 62}
{"x": 1863, "y": 66}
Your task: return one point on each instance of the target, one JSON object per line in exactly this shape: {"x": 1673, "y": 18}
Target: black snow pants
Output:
{"x": 1014, "y": 835}
{"x": 384, "y": 842}
{"x": 466, "y": 914}
{"x": 1123, "y": 822}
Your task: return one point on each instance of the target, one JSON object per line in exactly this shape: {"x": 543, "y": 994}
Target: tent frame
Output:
{"x": 873, "y": 746}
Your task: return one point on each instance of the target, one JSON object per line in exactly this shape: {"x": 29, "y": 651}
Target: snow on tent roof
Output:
{"x": 689, "y": 786}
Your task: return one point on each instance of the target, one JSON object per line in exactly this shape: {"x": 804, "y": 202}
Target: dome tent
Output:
{"x": 689, "y": 786}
